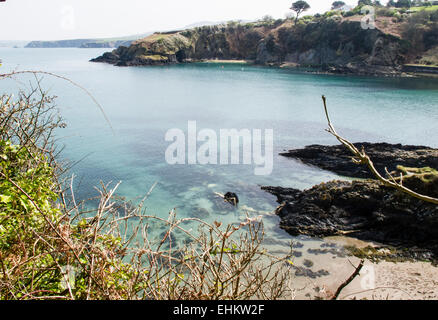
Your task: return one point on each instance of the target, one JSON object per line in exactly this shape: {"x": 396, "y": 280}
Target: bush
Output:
{"x": 386, "y": 12}
{"x": 349, "y": 14}
{"x": 421, "y": 30}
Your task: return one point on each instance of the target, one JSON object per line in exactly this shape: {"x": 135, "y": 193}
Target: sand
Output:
{"x": 321, "y": 268}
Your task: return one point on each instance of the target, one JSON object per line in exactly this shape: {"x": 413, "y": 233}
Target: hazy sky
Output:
{"x": 68, "y": 19}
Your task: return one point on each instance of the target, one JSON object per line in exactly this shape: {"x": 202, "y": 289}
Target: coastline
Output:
{"x": 225, "y": 61}
{"x": 335, "y": 70}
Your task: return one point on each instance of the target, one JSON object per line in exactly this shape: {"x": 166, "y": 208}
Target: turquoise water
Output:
{"x": 142, "y": 103}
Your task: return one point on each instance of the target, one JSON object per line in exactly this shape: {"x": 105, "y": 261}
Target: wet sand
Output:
{"x": 320, "y": 267}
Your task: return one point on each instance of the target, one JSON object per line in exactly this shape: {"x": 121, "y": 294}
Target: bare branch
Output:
{"x": 363, "y": 158}
{"x": 348, "y": 281}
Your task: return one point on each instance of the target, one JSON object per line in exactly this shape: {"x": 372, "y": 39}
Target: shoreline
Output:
{"x": 225, "y": 61}
{"x": 288, "y": 66}
{"x": 364, "y": 208}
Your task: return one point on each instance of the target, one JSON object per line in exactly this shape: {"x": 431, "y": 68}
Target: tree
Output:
{"x": 337, "y": 5}
{"x": 365, "y": 3}
{"x": 391, "y": 3}
{"x": 403, "y": 4}
{"x": 299, "y": 7}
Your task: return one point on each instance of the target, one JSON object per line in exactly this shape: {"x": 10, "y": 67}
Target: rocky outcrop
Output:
{"x": 338, "y": 159}
{"x": 363, "y": 209}
{"x": 367, "y": 209}
{"x": 328, "y": 45}
{"x": 157, "y": 49}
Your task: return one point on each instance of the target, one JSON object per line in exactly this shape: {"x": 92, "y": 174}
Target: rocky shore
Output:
{"x": 366, "y": 209}
{"x": 337, "y": 158}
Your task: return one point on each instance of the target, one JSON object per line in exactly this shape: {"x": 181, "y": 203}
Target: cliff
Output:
{"x": 87, "y": 43}
{"x": 78, "y": 43}
{"x": 328, "y": 44}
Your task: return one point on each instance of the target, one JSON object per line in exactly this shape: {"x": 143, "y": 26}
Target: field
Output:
{"x": 429, "y": 8}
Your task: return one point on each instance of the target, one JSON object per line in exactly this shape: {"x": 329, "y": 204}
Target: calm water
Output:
{"x": 143, "y": 103}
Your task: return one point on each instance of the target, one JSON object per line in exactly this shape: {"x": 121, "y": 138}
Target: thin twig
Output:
{"x": 348, "y": 281}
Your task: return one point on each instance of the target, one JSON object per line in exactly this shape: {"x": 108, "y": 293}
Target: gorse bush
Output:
{"x": 53, "y": 247}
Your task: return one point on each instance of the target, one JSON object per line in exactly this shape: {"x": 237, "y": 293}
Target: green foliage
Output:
{"x": 386, "y": 12}
{"x": 365, "y": 3}
{"x": 403, "y": 4}
{"x": 421, "y": 30}
{"x": 34, "y": 176}
{"x": 299, "y": 7}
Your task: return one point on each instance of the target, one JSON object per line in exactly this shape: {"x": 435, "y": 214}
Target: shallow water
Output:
{"x": 142, "y": 103}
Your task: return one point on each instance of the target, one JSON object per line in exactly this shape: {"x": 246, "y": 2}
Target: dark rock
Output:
{"x": 363, "y": 209}
{"x": 306, "y": 272}
{"x": 328, "y": 245}
{"x": 297, "y": 254}
{"x": 335, "y": 252}
{"x": 297, "y": 245}
{"x": 231, "y": 198}
{"x": 338, "y": 158}
{"x": 308, "y": 263}
{"x": 220, "y": 206}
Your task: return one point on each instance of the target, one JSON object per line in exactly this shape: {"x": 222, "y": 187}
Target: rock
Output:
{"x": 220, "y": 206}
{"x": 306, "y": 272}
{"x": 366, "y": 210}
{"x": 338, "y": 159}
{"x": 308, "y": 263}
{"x": 199, "y": 213}
{"x": 231, "y": 198}
{"x": 297, "y": 245}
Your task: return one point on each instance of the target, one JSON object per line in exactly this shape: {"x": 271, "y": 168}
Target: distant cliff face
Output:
{"x": 337, "y": 46}
{"x": 57, "y": 44}
{"x": 78, "y": 43}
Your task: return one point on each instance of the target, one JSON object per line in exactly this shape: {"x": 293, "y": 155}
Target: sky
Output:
{"x": 68, "y": 19}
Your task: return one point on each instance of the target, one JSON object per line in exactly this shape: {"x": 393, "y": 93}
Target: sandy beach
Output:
{"x": 377, "y": 281}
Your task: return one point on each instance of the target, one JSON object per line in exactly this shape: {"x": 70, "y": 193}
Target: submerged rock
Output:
{"x": 199, "y": 213}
